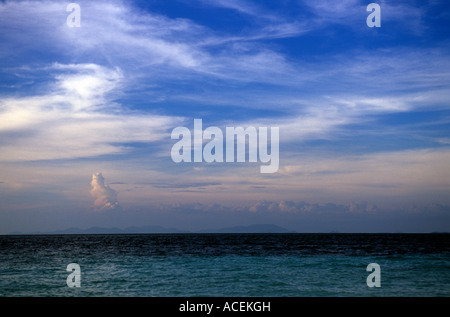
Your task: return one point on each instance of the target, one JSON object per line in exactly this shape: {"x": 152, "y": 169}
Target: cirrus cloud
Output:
{"x": 76, "y": 117}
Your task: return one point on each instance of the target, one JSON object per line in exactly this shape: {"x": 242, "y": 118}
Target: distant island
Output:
{"x": 256, "y": 228}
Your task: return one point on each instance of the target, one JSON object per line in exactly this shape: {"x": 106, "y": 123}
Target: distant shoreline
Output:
{"x": 219, "y": 233}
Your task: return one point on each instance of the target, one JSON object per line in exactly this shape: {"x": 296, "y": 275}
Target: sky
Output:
{"x": 87, "y": 112}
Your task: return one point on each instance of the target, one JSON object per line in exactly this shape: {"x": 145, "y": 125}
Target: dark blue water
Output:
{"x": 226, "y": 265}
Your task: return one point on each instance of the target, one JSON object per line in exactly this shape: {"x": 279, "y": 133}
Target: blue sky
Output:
{"x": 363, "y": 114}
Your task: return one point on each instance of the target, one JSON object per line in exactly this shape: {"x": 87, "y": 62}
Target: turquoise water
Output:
{"x": 224, "y": 265}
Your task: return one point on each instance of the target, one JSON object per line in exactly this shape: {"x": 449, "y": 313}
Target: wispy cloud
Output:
{"x": 161, "y": 47}
{"x": 313, "y": 97}
{"x": 75, "y": 118}
{"x": 352, "y": 13}
{"x": 123, "y": 80}
{"x": 154, "y": 42}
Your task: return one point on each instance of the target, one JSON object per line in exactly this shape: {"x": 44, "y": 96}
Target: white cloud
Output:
{"x": 75, "y": 118}
{"x": 240, "y": 6}
{"x": 332, "y": 10}
{"x": 105, "y": 196}
{"x": 353, "y": 13}
{"x": 119, "y": 34}
{"x": 86, "y": 83}
{"x": 387, "y": 178}
{"x": 116, "y": 33}
{"x": 302, "y": 207}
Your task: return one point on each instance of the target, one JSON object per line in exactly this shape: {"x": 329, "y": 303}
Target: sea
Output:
{"x": 225, "y": 265}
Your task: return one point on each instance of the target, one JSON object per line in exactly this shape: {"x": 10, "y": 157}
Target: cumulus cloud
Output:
{"x": 105, "y": 196}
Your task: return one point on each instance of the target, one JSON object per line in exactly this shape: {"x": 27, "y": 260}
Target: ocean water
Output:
{"x": 225, "y": 265}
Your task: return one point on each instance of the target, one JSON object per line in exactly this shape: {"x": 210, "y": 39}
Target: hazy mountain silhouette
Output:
{"x": 257, "y": 228}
